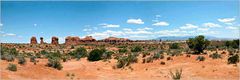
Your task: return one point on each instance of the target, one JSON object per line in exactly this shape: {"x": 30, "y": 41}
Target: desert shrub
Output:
{"x": 54, "y": 63}
{"x": 21, "y": 60}
{"x": 174, "y": 46}
{"x": 136, "y": 49}
{"x": 12, "y": 67}
{"x": 32, "y": 59}
{"x": 126, "y": 60}
{"x": 188, "y": 55}
{"x": 177, "y": 75}
{"x": 79, "y": 53}
{"x": 144, "y": 54}
{"x": 233, "y": 59}
{"x": 169, "y": 58}
{"x": 122, "y": 46}
{"x": 162, "y": 63}
{"x": 149, "y": 59}
{"x": 156, "y": 56}
{"x": 123, "y": 50}
{"x": 107, "y": 55}
{"x": 38, "y": 55}
{"x": 65, "y": 58}
{"x": 54, "y": 55}
{"x": 9, "y": 57}
{"x": 151, "y": 48}
{"x": 198, "y": 44}
{"x": 43, "y": 52}
{"x": 200, "y": 58}
{"x": 95, "y": 55}
{"x": 215, "y": 55}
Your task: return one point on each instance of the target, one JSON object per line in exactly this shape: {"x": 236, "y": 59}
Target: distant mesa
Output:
{"x": 88, "y": 39}
{"x": 72, "y": 40}
{"x": 33, "y": 40}
{"x": 115, "y": 39}
{"x": 54, "y": 40}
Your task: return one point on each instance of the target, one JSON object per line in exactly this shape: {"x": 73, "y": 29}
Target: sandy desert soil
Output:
{"x": 210, "y": 69}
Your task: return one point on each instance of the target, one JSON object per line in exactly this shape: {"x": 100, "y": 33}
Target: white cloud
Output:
{"x": 1, "y": 24}
{"x": 211, "y": 25}
{"x": 135, "y": 21}
{"x": 87, "y": 30}
{"x": 162, "y": 23}
{"x": 188, "y": 26}
{"x": 145, "y": 28}
{"x": 232, "y": 28}
{"x": 109, "y": 25}
{"x": 226, "y": 20}
{"x": 127, "y": 29}
{"x": 7, "y": 34}
{"x": 202, "y": 29}
{"x": 34, "y": 25}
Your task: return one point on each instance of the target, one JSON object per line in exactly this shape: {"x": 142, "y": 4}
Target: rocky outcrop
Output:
{"x": 54, "y": 40}
{"x": 72, "y": 40}
{"x": 33, "y": 40}
{"x": 114, "y": 39}
{"x": 41, "y": 40}
{"x": 88, "y": 39}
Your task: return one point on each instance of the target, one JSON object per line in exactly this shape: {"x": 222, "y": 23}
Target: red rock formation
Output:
{"x": 114, "y": 39}
{"x": 72, "y": 40}
{"x": 41, "y": 42}
{"x": 33, "y": 40}
{"x": 54, "y": 40}
{"x": 88, "y": 39}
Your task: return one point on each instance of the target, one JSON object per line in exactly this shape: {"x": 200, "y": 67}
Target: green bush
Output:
{"x": 200, "y": 58}
{"x": 79, "y": 53}
{"x": 126, "y": 60}
{"x": 54, "y": 63}
{"x": 136, "y": 49}
{"x": 95, "y": 55}
{"x": 198, "y": 44}
{"x": 174, "y": 46}
{"x": 232, "y": 44}
{"x": 12, "y": 67}
{"x": 33, "y": 59}
{"x": 123, "y": 50}
{"x": 233, "y": 59}
{"x": 54, "y": 55}
{"x": 156, "y": 56}
{"x": 177, "y": 75}
{"x": 21, "y": 60}
{"x": 215, "y": 56}
{"x": 107, "y": 55}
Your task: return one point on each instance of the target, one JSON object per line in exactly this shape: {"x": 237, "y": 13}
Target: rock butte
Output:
{"x": 33, "y": 40}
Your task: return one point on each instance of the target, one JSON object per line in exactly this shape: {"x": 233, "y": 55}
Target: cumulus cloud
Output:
{"x": 6, "y": 34}
{"x": 145, "y": 28}
{"x": 226, "y": 20}
{"x": 161, "y": 23}
{"x": 211, "y": 25}
{"x": 135, "y": 21}
{"x": 1, "y": 24}
{"x": 202, "y": 29}
{"x": 105, "y": 25}
{"x": 232, "y": 28}
{"x": 188, "y": 26}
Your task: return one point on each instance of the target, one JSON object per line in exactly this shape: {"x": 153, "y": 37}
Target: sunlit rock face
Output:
{"x": 88, "y": 39}
{"x": 54, "y": 40}
{"x": 33, "y": 40}
{"x": 72, "y": 40}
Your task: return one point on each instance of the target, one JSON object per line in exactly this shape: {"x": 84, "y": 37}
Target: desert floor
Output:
{"x": 210, "y": 69}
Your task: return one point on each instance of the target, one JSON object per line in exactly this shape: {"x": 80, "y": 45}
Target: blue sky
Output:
{"x": 134, "y": 20}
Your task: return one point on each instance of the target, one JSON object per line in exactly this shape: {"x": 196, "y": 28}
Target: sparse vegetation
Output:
{"x": 200, "y": 58}
{"x": 54, "y": 63}
{"x": 177, "y": 75}
{"x": 79, "y": 53}
{"x": 174, "y": 46}
{"x": 136, "y": 49}
{"x": 12, "y": 67}
{"x": 21, "y": 60}
{"x": 233, "y": 59}
{"x": 215, "y": 55}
